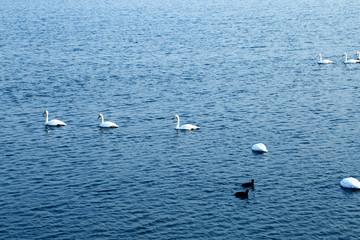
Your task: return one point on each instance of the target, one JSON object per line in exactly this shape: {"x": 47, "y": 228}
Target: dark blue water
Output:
{"x": 243, "y": 71}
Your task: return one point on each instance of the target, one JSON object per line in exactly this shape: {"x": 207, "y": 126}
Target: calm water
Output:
{"x": 243, "y": 71}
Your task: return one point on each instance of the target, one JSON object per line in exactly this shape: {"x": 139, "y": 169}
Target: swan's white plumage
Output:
{"x": 106, "y": 124}
{"x": 350, "y": 182}
{"x": 358, "y": 54}
{"x": 324, "y": 61}
{"x": 259, "y": 147}
{"x": 185, "y": 126}
{"x": 350, "y": 60}
{"x": 54, "y": 122}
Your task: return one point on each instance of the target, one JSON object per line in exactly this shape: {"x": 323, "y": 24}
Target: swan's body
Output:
{"x": 185, "y": 126}
{"x": 259, "y": 147}
{"x": 106, "y": 124}
{"x": 54, "y": 122}
{"x": 323, "y": 61}
{"x": 358, "y": 54}
{"x": 350, "y": 60}
{"x": 350, "y": 182}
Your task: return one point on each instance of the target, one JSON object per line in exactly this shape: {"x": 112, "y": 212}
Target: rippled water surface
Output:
{"x": 243, "y": 71}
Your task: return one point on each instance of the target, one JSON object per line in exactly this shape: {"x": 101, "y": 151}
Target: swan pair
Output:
{"x": 350, "y": 61}
{"x": 58, "y": 123}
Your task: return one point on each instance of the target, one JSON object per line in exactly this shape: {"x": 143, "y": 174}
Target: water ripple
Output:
{"x": 245, "y": 72}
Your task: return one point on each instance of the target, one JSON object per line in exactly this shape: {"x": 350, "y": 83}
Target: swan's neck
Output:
{"x": 47, "y": 117}
{"x": 345, "y": 58}
{"x": 102, "y": 118}
{"x": 178, "y": 119}
{"x": 320, "y": 57}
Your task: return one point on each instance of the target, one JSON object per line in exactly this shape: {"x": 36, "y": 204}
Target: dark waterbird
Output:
{"x": 242, "y": 195}
{"x": 249, "y": 184}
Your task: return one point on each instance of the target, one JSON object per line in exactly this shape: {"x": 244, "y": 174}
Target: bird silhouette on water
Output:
{"x": 249, "y": 184}
{"x": 242, "y": 195}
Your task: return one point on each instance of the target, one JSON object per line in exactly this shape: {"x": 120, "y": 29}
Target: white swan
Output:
{"x": 350, "y": 182}
{"x": 54, "y": 122}
{"x": 259, "y": 147}
{"x": 325, "y": 61}
{"x": 106, "y": 124}
{"x": 358, "y": 54}
{"x": 185, "y": 126}
{"x": 350, "y": 60}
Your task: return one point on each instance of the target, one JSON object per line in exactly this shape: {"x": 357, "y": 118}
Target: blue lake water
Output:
{"x": 243, "y": 71}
